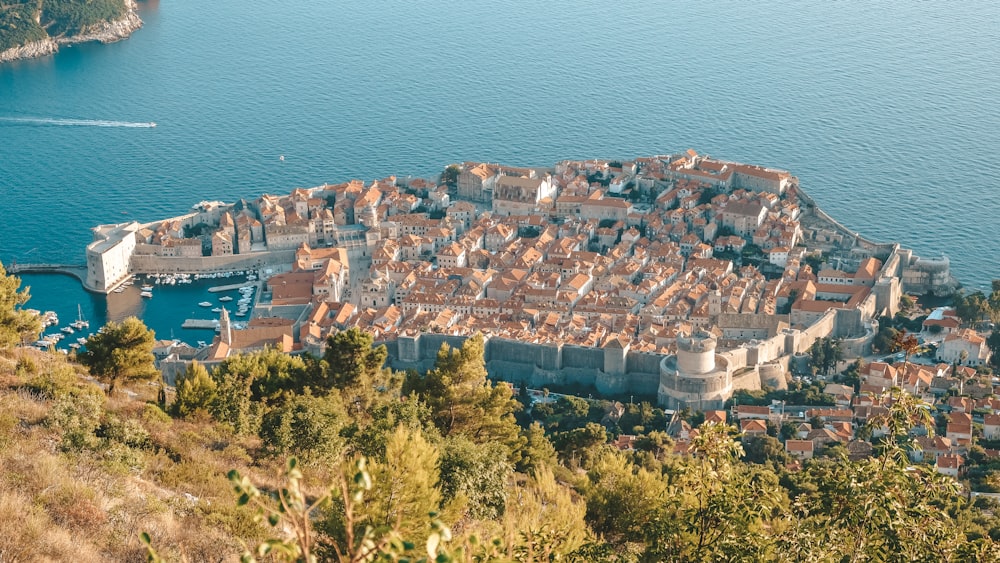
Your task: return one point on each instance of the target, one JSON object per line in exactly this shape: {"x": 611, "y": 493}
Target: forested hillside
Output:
{"x": 22, "y": 22}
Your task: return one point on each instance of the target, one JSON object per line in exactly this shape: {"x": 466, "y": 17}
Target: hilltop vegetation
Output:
{"x": 82, "y": 473}
{"x": 442, "y": 466}
{"x": 24, "y": 22}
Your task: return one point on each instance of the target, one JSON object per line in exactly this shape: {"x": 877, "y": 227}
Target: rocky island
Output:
{"x": 37, "y": 29}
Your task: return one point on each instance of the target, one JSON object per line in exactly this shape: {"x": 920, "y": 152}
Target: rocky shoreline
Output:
{"x": 105, "y": 32}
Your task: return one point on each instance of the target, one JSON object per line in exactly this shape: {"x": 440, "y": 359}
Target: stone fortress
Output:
{"x": 723, "y": 329}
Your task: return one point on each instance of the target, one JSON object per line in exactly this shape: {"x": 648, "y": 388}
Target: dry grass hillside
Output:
{"x": 82, "y": 475}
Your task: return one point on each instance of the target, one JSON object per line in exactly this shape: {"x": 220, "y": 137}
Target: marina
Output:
{"x": 164, "y": 314}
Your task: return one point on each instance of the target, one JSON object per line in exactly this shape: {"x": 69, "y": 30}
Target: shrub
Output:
{"x": 25, "y": 366}
{"x": 78, "y": 418}
{"x": 154, "y": 417}
{"x": 128, "y": 432}
{"x": 54, "y": 383}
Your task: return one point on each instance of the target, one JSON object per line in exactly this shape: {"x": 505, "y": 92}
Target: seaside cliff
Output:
{"x": 103, "y": 30}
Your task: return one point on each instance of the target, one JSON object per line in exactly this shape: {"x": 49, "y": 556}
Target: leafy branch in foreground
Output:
{"x": 288, "y": 510}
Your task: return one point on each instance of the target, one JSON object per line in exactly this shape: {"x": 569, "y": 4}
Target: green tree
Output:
{"x": 877, "y": 509}
{"x": 353, "y": 366}
{"x": 817, "y": 355}
{"x": 195, "y": 391}
{"x": 657, "y": 442}
{"x": 537, "y": 451}
{"x": 248, "y": 384}
{"x": 305, "y": 426}
{"x": 883, "y": 340}
{"x": 622, "y": 499}
{"x": 16, "y": 325}
{"x": 477, "y": 474}
{"x": 579, "y": 445}
{"x": 120, "y": 353}
{"x": 994, "y": 344}
{"x": 972, "y": 308}
{"x": 351, "y": 360}
{"x": 464, "y": 402}
{"x": 544, "y": 520}
{"x": 764, "y": 449}
{"x": 993, "y": 303}
{"x": 825, "y": 353}
{"x": 815, "y": 261}
{"x": 717, "y": 507}
{"x": 406, "y": 484}
{"x": 450, "y": 175}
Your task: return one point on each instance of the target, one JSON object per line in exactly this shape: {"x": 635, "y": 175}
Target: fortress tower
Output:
{"x": 696, "y": 377}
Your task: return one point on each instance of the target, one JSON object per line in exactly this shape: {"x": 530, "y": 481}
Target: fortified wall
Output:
{"x": 918, "y": 275}
{"x": 697, "y": 376}
{"x": 613, "y": 369}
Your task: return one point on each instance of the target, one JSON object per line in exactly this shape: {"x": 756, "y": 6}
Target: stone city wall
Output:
{"x": 150, "y": 264}
{"x": 537, "y": 365}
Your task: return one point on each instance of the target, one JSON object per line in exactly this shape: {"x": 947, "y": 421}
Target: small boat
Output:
{"x": 119, "y": 290}
{"x": 82, "y": 341}
{"x": 74, "y": 345}
{"x": 67, "y": 329}
{"x": 152, "y": 124}
{"x": 146, "y": 287}
{"x": 205, "y": 304}
{"x": 226, "y": 298}
{"x": 80, "y": 323}
{"x": 241, "y": 313}
{"x": 216, "y": 309}
{"x": 146, "y": 293}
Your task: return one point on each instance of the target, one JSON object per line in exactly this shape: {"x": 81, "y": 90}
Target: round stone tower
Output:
{"x": 696, "y": 377}
{"x": 696, "y": 353}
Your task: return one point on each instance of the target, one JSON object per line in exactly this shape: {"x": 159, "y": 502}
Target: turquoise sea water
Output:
{"x": 888, "y": 112}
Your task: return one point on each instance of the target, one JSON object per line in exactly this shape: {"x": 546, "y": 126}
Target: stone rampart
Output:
{"x": 748, "y": 380}
{"x": 583, "y": 358}
{"x": 149, "y": 264}
{"x": 538, "y": 365}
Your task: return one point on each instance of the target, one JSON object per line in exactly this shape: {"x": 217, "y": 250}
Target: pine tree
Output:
{"x": 16, "y": 325}
{"x": 121, "y": 353}
{"x": 195, "y": 391}
{"x": 406, "y": 486}
{"x": 307, "y": 427}
{"x": 464, "y": 402}
{"x": 538, "y": 450}
{"x": 544, "y": 520}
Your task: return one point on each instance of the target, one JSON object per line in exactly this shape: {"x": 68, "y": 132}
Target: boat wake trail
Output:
{"x": 76, "y": 122}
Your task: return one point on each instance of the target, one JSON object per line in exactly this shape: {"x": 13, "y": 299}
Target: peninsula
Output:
{"x": 678, "y": 276}
{"x": 39, "y": 28}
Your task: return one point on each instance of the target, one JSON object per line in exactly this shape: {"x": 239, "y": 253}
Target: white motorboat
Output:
{"x": 146, "y": 293}
{"x": 205, "y": 304}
